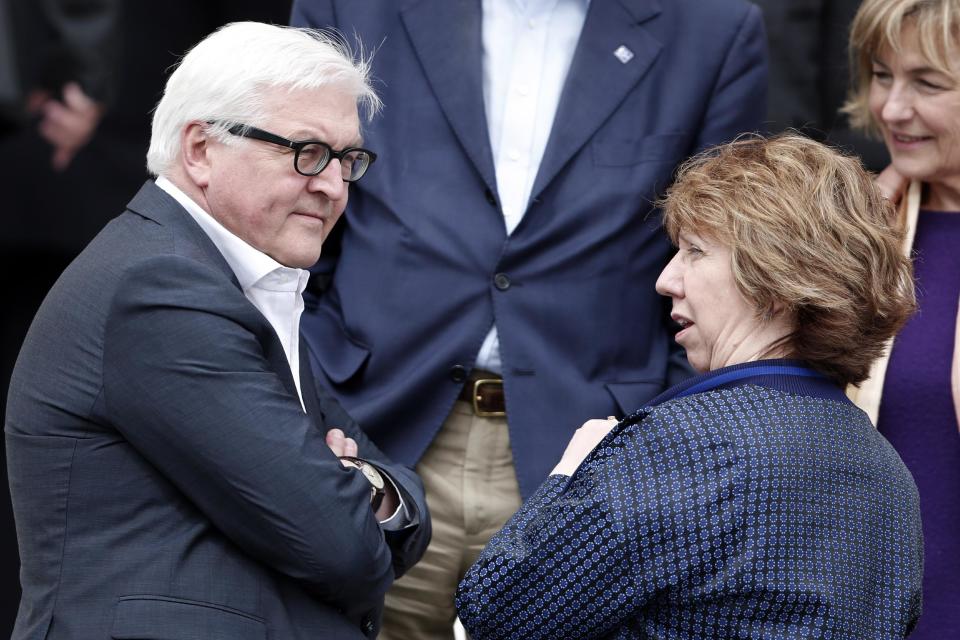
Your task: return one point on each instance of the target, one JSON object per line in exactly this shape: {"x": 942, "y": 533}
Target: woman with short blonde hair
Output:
{"x": 906, "y": 58}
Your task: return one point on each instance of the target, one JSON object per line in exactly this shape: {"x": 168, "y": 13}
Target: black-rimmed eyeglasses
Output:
{"x": 312, "y": 156}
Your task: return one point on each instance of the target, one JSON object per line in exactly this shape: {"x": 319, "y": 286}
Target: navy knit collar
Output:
{"x": 789, "y": 376}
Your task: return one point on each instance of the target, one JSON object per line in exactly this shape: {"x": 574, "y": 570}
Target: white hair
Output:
{"x": 224, "y": 80}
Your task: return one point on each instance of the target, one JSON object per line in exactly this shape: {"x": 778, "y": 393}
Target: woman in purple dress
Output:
{"x": 906, "y": 56}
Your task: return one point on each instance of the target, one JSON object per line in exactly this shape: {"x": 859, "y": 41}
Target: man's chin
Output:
{"x": 307, "y": 262}
{"x": 299, "y": 259}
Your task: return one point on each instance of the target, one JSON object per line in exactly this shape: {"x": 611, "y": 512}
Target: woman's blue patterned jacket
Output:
{"x": 751, "y": 502}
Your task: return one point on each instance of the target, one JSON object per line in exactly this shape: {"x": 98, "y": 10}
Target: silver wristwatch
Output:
{"x": 373, "y": 476}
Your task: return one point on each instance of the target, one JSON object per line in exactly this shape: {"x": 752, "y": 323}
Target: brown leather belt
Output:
{"x": 484, "y": 391}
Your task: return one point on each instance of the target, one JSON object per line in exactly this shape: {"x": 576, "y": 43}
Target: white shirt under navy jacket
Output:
{"x": 528, "y": 46}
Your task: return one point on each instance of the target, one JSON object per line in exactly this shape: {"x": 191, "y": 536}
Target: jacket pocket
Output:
{"x": 146, "y": 617}
{"x": 631, "y": 396}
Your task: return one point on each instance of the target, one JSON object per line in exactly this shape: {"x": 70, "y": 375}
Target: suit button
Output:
{"x": 492, "y": 199}
{"x": 367, "y": 626}
{"x": 458, "y": 373}
{"x": 501, "y": 281}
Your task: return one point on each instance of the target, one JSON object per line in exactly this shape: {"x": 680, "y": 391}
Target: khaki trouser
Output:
{"x": 471, "y": 491}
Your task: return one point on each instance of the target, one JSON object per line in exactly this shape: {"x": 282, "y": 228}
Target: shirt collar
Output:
{"x": 249, "y": 265}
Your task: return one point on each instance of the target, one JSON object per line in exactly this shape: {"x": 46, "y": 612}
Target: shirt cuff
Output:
{"x": 400, "y": 517}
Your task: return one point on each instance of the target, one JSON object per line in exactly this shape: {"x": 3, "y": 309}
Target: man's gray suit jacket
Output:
{"x": 166, "y": 482}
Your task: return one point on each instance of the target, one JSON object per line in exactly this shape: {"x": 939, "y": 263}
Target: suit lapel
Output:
{"x": 308, "y": 385}
{"x": 155, "y": 204}
{"x": 446, "y": 37}
{"x": 598, "y": 81}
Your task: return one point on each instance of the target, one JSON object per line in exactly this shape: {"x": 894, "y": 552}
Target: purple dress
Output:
{"x": 917, "y": 416}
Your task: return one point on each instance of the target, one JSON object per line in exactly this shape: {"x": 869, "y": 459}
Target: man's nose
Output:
{"x": 330, "y": 181}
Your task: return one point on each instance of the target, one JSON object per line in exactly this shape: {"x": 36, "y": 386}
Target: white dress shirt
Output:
{"x": 527, "y": 49}
{"x": 275, "y": 290}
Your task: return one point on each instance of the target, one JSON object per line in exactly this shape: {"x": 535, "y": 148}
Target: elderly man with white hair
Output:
{"x": 175, "y": 470}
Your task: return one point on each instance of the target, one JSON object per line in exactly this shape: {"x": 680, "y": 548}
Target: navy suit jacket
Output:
{"x": 166, "y": 482}
{"x": 415, "y": 287}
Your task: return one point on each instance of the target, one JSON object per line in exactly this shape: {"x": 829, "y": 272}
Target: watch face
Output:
{"x": 373, "y": 476}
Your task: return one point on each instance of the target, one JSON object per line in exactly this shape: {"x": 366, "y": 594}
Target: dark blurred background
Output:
{"x": 809, "y": 73}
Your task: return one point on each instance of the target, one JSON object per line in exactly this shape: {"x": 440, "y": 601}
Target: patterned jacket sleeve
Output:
{"x": 655, "y": 507}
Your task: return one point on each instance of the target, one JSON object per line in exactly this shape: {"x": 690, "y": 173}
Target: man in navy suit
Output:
{"x": 174, "y": 468}
{"x": 506, "y": 250}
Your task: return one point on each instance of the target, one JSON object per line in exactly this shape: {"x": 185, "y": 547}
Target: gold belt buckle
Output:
{"x": 476, "y": 398}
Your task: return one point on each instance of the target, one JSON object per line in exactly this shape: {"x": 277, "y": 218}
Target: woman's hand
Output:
{"x": 583, "y": 442}
{"x": 892, "y": 184}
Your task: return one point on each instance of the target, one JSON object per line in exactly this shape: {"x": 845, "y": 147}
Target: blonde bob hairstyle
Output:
{"x": 809, "y": 236}
{"x": 878, "y": 26}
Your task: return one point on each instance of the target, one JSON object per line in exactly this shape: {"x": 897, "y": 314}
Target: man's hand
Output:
{"x": 68, "y": 125}
{"x": 341, "y": 446}
{"x": 583, "y": 442}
